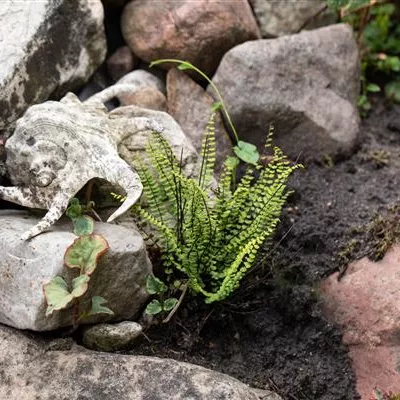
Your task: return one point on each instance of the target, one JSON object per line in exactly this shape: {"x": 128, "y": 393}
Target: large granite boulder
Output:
{"x": 27, "y": 265}
{"x": 196, "y": 31}
{"x": 277, "y": 18}
{"x": 47, "y": 47}
{"x": 306, "y": 85}
{"x": 31, "y": 369}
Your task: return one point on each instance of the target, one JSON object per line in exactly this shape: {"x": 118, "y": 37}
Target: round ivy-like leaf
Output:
{"x": 155, "y": 285}
{"x": 83, "y": 225}
{"x": 80, "y": 285}
{"x": 169, "y": 304}
{"x": 98, "y": 307}
{"x": 74, "y": 209}
{"x": 85, "y": 252}
{"x": 247, "y": 152}
{"x": 57, "y": 295}
{"x": 153, "y": 308}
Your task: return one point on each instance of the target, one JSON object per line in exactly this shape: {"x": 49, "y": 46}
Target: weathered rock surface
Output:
{"x": 134, "y": 145}
{"x": 111, "y": 337}
{"x": 149, "y": 97}
{"x": 121, "y": 62}
{"x": 138, "y": 81}
{"x": 197, "y": 31}
{"x": 277, "y": 18}
{"x": 26, "y": 266}
{"x": 190, "y": 106}
{"x": 366, "y": 304}
{"x": 31, "y": 370}
{"x": 306, "y": 85}
{"x": 47, "y": 48}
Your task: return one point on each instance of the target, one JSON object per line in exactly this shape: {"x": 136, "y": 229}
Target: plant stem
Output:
{"x": 177, "y": 305}
{"x": 202, "y": 74}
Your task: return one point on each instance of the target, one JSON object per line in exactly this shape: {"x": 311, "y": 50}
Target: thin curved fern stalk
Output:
{"x": 211, "y": 236}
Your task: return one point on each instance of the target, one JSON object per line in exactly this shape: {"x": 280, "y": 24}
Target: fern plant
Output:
{"x": 211, "y": 232}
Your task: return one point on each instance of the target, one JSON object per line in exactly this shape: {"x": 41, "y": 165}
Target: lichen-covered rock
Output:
{"x": 277, "y": 18}
{"x": 47, "y": 47}
{"x": 191, "y": 107}
{"x": 306, "y": 85}
{"x": 111, "y": 337}
{"x": 26, "y": 266}
{"x": 196, "y": 31}
{"x": 30, "y": 370}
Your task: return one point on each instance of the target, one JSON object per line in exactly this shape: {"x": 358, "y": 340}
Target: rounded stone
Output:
{"x": 200, "y": 32}
{"x": 111, "y": 337}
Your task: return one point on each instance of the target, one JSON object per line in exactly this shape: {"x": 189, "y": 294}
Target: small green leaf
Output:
{"x": 232, "y": 162}
{"x": 185, "y": 66}
{"x": 169, "y": 304}
{"x": 98, "y": 307}
{"x": 154, "y": 307}
{"x": 80, "y": 285}
{"x": 57, "y": 295}
{"x": 247, "y": 152}
{"x": 216, "y": 106}
{"x": 83, "y": 225}
{"x": 85, "y": 252}
{"x": 155, "y": 285}
{"x": 373, "y": 88}
{"x": 74, "y": 209}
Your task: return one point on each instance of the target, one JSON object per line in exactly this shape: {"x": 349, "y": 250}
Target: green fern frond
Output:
{"x": 208, "y": 154}
{"x": 212, "y": 238}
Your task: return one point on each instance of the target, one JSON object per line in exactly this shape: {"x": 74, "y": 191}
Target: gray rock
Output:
{"x": 277, "y": 17}
{"x": 26, "y": 266}
{"x": 29, "y": 372}
{"x": 47, "y": 47}
{"x": 111, "y": 337}
{"x": 306, "y": 85}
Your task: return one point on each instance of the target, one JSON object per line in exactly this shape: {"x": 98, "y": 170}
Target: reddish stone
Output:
{"x": 200, "y": 31}
{"x": 146, "y": 97}
{"x": 120, "y": 63}
{"x": 366, "y": 304}
{"x": 190, "y": 105}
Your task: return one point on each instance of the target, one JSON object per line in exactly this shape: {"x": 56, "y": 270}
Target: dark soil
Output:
{"x": 272, "y": 334}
